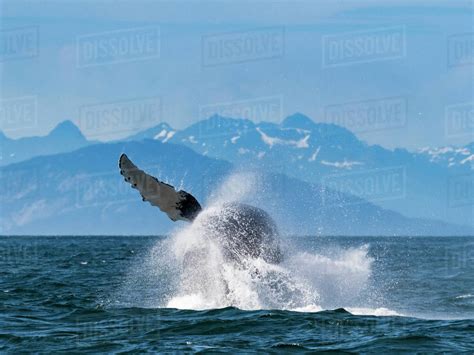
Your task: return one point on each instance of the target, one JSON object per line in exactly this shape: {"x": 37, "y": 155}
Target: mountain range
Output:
{"x": 81, "y": 192}
{"x": 429, "y": 183}
{"x": 65, "y": 137}
{"x": 318, "y": 173}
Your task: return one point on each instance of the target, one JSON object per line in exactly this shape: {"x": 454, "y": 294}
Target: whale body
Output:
{"x": 241, "y": 230}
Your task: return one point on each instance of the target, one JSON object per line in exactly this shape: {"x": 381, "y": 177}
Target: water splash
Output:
{"x": 236, "y": 188}
{"x": 194, "y": 274}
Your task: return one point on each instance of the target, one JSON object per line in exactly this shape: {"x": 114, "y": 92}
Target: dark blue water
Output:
{"x": 96, "y": 294}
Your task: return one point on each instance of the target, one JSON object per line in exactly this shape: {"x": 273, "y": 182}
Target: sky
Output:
{"x": 397, "y": 73}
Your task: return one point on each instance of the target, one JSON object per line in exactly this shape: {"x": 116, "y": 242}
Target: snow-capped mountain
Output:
{"x": 424, "y": 184}
{"x": 431, "y": 183}
{"x": 451, "y": 156}
{"x": 296, "y": 140}
{"x": 163, "y": 133}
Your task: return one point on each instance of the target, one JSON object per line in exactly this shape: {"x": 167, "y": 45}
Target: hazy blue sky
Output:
{"x": 408, "y": 63}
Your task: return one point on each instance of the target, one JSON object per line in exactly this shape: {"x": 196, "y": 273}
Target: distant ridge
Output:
{"x": 82, "y": 192}
{"x": 326, "y": 153}
{"x": 162, "y": 132}
{"x": 298, "y": 120}
{"x": 421, "y": 184}
{"x": 65, "y": 137}
{"x": 66, "y": 129}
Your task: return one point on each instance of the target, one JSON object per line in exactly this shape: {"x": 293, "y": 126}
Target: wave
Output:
{"x": 468, "y": 295}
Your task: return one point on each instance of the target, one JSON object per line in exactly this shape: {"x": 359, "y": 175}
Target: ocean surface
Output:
{"x": 121, "y": 294}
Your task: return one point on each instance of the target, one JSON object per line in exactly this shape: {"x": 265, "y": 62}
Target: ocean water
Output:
{"x": 115, "y": 294}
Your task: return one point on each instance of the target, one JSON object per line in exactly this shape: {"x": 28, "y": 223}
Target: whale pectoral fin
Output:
{"x": 178, "y": 205}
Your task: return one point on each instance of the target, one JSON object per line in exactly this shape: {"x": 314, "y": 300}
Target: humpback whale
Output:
{"x": 241, "y": 230}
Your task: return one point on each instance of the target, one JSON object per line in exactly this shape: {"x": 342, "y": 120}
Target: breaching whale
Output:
{"x": 241, "y": 230}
